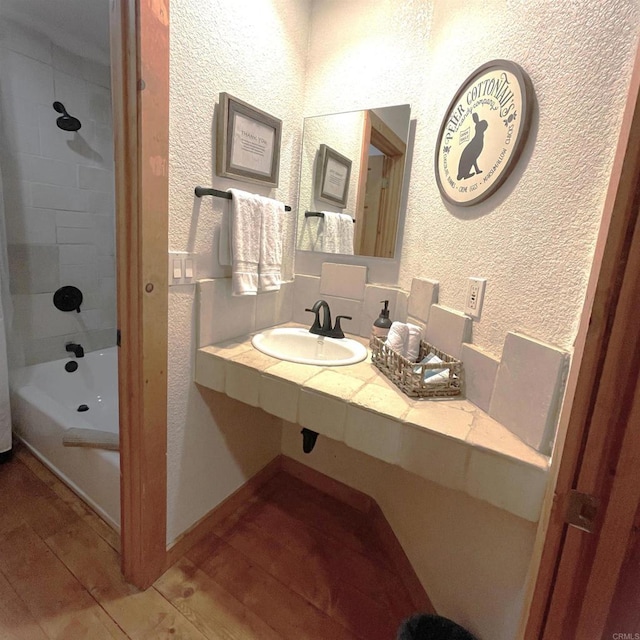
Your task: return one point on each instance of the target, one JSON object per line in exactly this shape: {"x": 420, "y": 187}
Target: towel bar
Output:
{"x": 317, "y": 214}
{"x": 205, "y": 191}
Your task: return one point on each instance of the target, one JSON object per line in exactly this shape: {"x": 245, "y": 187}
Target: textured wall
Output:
{"x": 534, "y": 239}
{"x": 256, "y": 51}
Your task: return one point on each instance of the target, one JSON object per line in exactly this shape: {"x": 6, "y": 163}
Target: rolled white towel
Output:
{"x": 397, "y": 337}
{"x": 412, "y": 349}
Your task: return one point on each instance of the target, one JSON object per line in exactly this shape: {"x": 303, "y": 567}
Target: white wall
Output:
{"x": 256, "y": 51}
{"x": 58, "y": 194}
{"x": 534, "y": 239}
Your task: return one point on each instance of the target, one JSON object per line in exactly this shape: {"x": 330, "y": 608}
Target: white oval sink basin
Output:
{"x": 295, "y": 344}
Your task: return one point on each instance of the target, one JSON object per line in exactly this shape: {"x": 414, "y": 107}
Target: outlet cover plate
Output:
{"x": 475, "y": 297}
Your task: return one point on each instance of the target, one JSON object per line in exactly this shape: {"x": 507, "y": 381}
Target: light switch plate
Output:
{"x": 182, "y": 267}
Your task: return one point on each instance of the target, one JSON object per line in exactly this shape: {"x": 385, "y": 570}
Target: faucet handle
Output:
{"x": 337, "y": 331}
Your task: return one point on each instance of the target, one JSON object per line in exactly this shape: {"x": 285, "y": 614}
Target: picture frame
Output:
{"x": 248, "y": 142}
{"x": 483, "y": 132}
{"x": 333, "y": 171}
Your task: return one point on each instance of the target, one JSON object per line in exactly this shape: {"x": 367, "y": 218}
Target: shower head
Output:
{"x": 65, "y": 121}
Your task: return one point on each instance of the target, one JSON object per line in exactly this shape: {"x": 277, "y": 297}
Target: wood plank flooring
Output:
{"x": 292, "y": 563}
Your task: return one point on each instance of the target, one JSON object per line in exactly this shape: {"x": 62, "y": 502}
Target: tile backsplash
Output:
{"x": 522, "y": 390}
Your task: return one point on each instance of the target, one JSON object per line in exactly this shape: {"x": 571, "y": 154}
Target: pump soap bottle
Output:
{"x": 382, "y": 323}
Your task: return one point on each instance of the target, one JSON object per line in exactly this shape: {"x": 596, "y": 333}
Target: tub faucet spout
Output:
{"x": 74, "y": 348}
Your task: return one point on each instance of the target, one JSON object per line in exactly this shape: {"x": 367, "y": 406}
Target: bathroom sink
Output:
{"x": 298, "y": 345}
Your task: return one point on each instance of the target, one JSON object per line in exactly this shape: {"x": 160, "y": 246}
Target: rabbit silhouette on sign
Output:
{"x": 471, "y": 153}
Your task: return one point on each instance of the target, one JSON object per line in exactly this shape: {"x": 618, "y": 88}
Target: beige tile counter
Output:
{"x": 447, "y": 441}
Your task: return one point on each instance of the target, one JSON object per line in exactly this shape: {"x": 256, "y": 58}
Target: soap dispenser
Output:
{"x": 382, "y": 323}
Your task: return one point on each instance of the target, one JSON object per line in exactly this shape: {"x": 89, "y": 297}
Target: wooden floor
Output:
{"x": 292, "y": 563}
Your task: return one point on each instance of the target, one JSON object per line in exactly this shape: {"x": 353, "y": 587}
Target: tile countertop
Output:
{"x": 448, "y": 441}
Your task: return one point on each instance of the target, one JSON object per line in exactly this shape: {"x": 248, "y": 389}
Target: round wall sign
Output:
{"x": 483, "y": 132}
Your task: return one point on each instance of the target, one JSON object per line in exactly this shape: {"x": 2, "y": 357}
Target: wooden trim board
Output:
{"x": 140, "y": 90}
{"x": 206, "y": 524}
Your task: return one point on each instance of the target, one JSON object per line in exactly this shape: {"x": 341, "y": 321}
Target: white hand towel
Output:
{"x": 271, "y": 241}
{"x": 412, "y": 345}
{"x": 246, "y": 222}
{"x": 397, "y": 337}
{"x": 224, "y": 241}
{"x": 345, "y": 233}
{"x": 336, "y": 233}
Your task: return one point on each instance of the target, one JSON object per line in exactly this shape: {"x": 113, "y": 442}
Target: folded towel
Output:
{"x": 397, "y": 337}
{"x": 246, "y": 216}
{"x": 224, "y": 241}
{"x": 251, "y": 239}
{"x": 271, "y": 227}
{"x": 336, "y": 232}
{"x": 412, "y": 345}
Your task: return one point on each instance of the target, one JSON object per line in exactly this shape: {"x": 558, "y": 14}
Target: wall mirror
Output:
{"x": 373, "y": 142}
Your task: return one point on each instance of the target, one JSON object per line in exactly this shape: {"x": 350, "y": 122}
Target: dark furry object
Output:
{"x": 432, "y": 627}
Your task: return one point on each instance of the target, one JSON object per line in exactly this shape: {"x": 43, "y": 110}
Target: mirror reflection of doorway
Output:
{"x": 379, "y": 191}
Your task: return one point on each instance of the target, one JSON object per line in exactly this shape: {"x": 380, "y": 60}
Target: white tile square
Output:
{"x": 47, "y": 171}
{"x": 95, "y": 179}
{"x": 18, "y": 38}
{"x": 322, "y": 414}
{"x": 447, "y": 329}
{"x": 274, "y": 307}
{"x": 479, "y": 368}
{"x": 242, "y": 383}
{"x": 306, "y": 290}
{"x": 35, "y": 226}
{"x": 77, "y": 254}
{"x": 528, "y": 389}
{"x": 343, "y": 280}
{"x": 73, "y": 219}
{"x": 424, "y": 293}
{"x": 61, "y": 198}
{"x": 101, "y": 202}
{"x": 221, "y": 315}
{"x": 436, "y": 458}
{"x": 373, "y": 434}
{"x": 279, "y": 398}
{"x": 507, "y": 484}
{"x": 34, "y": 268}
{"x": 70, "y": 235}
{"x": 210, "y": 371}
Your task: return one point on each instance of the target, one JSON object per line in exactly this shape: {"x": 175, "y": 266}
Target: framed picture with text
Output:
{"x": 248, "y": 144}
{"x": 333, "y": 171}
{"x": 483, "y": 132}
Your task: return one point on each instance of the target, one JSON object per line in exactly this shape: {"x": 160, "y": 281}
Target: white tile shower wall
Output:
{"x": 59, "y": 194}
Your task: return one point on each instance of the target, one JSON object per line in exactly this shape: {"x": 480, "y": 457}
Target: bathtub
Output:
{"x": 44, "y": 403}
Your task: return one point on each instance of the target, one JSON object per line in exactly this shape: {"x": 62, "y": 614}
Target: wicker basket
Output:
{"x": 409, "y": 376}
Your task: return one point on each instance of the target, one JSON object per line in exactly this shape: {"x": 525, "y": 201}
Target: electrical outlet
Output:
{"x": 475, "y": 296}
